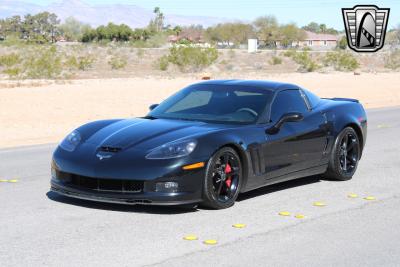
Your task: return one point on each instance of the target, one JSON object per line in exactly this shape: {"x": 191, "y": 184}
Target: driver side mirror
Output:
{"x": 288, "y": 117}
{"x": 153, "y": 106}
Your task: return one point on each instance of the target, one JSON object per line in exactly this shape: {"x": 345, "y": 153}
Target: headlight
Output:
{"x": 173, "y": 150}
{"x": 71, "y": 141}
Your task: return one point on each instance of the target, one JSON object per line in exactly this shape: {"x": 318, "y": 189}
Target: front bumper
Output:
{"x": 168, "y": 199}
{"x": 126, "y": 178}
{"x": 189, "y": 191}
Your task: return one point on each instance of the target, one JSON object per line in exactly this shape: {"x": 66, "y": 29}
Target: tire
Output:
{"x": 345, "y": 156}
{"x": 223, "y": 179}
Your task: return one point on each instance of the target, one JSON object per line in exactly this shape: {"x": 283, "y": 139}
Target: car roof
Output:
{"x": 269, "y": 85}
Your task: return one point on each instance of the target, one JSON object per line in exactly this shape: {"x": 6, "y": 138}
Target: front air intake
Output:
{"x": 99, "y": 184}
{"x": 110, "y": 149}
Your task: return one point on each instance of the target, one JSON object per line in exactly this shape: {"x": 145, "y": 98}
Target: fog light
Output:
{"x": 53, "y": 173}
{"x": 168, "y": 187}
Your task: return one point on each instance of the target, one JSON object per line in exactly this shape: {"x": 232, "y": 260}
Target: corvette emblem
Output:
{"x": 365, "y": 27}
{"x": 102, "y": 156}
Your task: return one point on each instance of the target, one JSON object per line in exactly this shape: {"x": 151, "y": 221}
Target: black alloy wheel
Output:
{"x": 223, "y": 179}
{"x": 348, "y": 155}
{"x": 345, "y": 156}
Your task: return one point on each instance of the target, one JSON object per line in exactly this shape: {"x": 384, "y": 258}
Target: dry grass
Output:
{"x": 117, "y": 61}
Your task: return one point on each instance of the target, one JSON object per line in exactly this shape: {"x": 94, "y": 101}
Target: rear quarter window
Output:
{"x": 312, "y": 98}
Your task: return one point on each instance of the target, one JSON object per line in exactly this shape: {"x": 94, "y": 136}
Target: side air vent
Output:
{"x": 257, "y": 161}
{"x": 110, "y": 149}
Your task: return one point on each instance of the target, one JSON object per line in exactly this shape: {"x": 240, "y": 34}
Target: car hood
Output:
{"x": 147, "y": 133}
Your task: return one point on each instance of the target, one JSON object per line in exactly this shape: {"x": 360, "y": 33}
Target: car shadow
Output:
{"x": 279, "y": 186}
{"x": 151, "y": 209}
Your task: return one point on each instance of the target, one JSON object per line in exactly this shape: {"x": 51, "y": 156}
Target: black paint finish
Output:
{"x": 299, "y": 148}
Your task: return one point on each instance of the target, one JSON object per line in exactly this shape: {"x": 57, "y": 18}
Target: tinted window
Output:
{"x": 192, "y": 100}
{"x": 312, "y": 98}
{"x": 218, "y": 103}
{"x": 287, "y": 101}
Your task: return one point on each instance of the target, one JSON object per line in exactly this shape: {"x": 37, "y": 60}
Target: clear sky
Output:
{"x": 298, "y": 11}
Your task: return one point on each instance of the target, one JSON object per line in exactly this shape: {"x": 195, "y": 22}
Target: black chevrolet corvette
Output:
{"x": 209, "y": 142}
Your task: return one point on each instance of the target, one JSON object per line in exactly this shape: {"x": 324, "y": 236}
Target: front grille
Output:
{"x": 112, "y": 185}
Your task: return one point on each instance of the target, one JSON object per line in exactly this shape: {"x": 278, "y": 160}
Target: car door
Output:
{"x": 297, "y": 145}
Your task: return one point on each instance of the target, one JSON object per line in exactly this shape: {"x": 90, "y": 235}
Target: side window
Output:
{"x": 287, "y": 101}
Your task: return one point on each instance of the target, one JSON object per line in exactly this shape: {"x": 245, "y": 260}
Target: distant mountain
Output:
{"x": 95, "y": 15}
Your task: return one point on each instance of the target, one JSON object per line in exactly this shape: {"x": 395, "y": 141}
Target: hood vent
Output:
{"x": 110, "y": 149}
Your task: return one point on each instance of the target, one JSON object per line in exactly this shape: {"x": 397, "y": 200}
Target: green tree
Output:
{"x": 267, "y": 29}
{"x": 141, "y": 34}
{"x": 177, "y": 30}
{"x": 11, "y": 26}
{"x": 312, "y": 27}
{"x": 322, "y": 28}
{"x": 236, "y": 33}
{"x": 89, "y": 35}
{"x": 40, "y": 28}
{"x": 319, "y": 28}
{"x": 289, "y": 33}
{"x": 157, "y": 24}
{"x": 72, "y": 29}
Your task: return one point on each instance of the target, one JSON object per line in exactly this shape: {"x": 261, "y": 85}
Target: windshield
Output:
{"x": 215, "y": 103}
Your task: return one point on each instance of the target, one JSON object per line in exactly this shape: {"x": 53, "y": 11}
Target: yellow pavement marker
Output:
{"x": 239, "y": 225}
{"x": 3, "y": 180}
{"x": 380, "y": 126}
{"x": 352, "y": 195}
{"x": 319, "y": 204}
{"x": 13, "y": 181}
{"x": 370, "y": 198}
{"x": 210, "y": 242}
{"x": 284, "y": 213}
{"x": 190, "y": 237}
{"x": 299, "y": 216}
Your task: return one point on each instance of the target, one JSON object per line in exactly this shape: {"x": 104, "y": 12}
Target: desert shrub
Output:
{"x": 13, "y": 72}
{"x": 85, "y": 62}
{"x": 192, "y": 58}
{"x": 163, "y": 63}
{"x": 155, "y": 41}
{"x": 10, "y": 60}
{"x": 71, "y": 62}
{"x": 13, "y": 40}
{"x": 229, "y": 67}
{"x": 275, "y": 60}
{"x": 305, "y": 61}
{"x": 44, "y": 63}
{"x": 138, "y": 44}
{"x": 289, "y": 53}
{"x": 80, "y": 63}
{"x": 341, "y": 61}
{"x": 117, "y": 62}
{"x": 342, "y": 44}
{"x": 392, "y": 61}
{"x": 184, "y": 41}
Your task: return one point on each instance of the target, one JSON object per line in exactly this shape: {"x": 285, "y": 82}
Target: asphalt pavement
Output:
{"x": 38, "y": 228}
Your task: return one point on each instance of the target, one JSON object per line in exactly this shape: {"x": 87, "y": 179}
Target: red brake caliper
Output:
{"x": 228, "y": 180}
